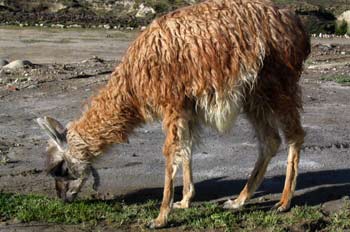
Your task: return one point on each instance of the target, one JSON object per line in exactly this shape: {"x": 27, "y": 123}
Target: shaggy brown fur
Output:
{"x": 205, "y": 63}
{"x": 199, "y": 50}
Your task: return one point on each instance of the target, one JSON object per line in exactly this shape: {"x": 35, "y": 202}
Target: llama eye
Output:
{"x": 60, "y": 170}
{"x": 60, "y": 173}
{"x": 65, "y": 172}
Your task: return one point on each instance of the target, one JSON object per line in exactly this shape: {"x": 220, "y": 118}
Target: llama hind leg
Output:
{"x": 294, "y": 134}
{"x": 269, "y": 142}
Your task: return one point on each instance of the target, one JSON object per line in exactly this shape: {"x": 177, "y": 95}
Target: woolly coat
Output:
{"x": 209, "y": 61}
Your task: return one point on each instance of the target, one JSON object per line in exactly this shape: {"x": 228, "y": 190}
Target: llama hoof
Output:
{"x": 229, "y": 204}
{"x": 280, "y": 207}
{"x": 156, "y": 224}
{"x": 181, "y": 205}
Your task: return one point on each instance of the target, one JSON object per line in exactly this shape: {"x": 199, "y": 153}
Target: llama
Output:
{"x": 200, "y": 65}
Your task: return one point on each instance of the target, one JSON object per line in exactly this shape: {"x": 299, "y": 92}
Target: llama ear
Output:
{"x": 55, "y": 164}
{"x": 55, "y": 130}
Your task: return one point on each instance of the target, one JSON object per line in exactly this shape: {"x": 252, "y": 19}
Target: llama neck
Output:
{"x": 110, "y": 118}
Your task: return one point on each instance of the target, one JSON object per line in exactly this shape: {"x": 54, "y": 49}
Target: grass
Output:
{"x": 340, "y": 221}
{"x": 342, "y": 79}
{"x": 32, "y": 208}
{"x": 3, "y": 159}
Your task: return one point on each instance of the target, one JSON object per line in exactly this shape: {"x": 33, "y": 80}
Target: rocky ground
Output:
{"x": 66, "y": 68}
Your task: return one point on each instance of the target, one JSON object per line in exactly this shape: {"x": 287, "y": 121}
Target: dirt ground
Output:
{"x": 70, "y": 65}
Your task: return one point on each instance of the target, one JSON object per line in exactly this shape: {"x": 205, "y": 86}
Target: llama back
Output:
{"x": 210, "y": 55}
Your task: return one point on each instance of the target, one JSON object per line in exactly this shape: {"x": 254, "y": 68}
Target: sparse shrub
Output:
{"x": 318, "y": 20}
{"x": 315, "y": 25}
{"x": 341, "y": 28}
{"x": 160, "y": 6}
{"x": 163, "y": 6}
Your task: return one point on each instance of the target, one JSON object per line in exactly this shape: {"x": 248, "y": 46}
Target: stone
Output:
{"x": 144, "y": 11}
{"x": 18, "y": 64}
{"x": 58, "y": 26}
{"x": 12, "y": 88}
{"x": 3, "y": 62}
{"x": 75, "y": 26}
{"x": 346, "y": 17}
{"x": 107, "y": 26}
{"x": 32, "y": 86}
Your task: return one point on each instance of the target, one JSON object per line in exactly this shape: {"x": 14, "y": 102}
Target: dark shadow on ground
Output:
{"x": 333, "y": 185}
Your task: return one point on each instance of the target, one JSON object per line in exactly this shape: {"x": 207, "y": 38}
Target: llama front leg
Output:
{"x": 177, "y": 148}
{"x": 168, "y": 195}
{"x": 185, "y": 153}
{"x": 188, "y": 187}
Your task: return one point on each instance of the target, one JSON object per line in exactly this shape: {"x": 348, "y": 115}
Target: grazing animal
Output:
{"x": 200, "y": 65}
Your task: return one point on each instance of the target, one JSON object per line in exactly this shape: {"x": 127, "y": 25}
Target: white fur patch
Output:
{"x": 221, "y": 111}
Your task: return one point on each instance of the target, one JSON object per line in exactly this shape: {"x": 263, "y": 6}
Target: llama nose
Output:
{"x": 70, "y": 197}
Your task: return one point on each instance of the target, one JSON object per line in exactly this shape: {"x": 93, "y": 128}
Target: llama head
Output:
{"x": 69, "y": 172}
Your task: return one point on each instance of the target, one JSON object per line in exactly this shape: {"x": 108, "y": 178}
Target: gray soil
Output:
{"x": 66, "y": 73}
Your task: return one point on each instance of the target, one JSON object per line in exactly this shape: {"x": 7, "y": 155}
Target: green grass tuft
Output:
{"x": 36, "y": 208}
{"x": 31, "y": 208}
{"x": 340, "y": 79}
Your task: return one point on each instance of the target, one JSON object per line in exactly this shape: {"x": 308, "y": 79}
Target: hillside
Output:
{"x": 318, "y": 15}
